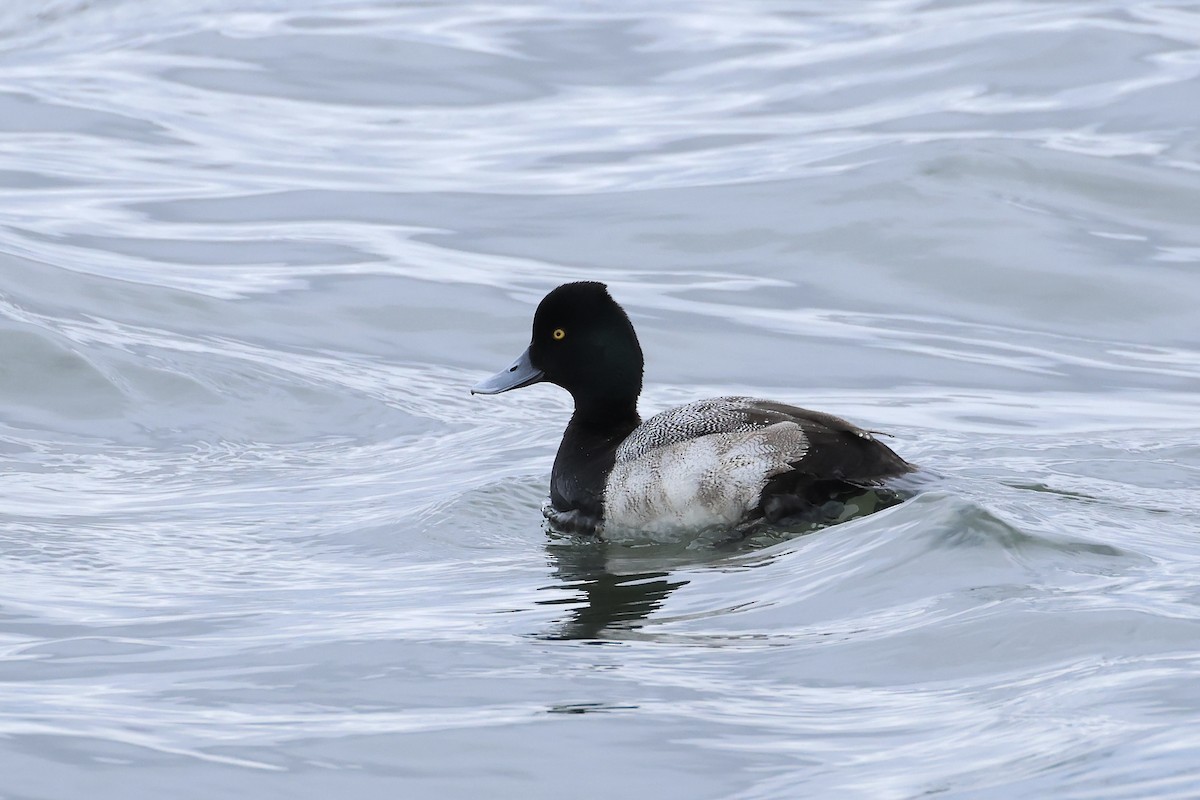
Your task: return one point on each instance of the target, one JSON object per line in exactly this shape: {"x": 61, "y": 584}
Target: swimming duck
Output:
{"x": 725, "y": 461}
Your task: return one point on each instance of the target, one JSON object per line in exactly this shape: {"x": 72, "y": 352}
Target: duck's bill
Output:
{"x": 521, "y": 373}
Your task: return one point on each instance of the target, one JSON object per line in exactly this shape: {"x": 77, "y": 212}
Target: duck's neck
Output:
{"x": 606, "y": 414}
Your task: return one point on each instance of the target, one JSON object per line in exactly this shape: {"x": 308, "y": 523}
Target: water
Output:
{"x": 257, "y": 540}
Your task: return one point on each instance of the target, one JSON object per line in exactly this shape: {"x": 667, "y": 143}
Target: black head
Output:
{"x": 584, "y": 342}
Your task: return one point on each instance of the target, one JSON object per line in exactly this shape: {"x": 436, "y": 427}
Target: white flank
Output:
{"x": 701, "y": 482}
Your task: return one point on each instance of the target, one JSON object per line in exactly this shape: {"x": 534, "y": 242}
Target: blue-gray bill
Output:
{"x": 521, "y": 373}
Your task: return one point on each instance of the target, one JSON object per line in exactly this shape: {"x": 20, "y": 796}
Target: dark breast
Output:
{"x": 584, "y": 459}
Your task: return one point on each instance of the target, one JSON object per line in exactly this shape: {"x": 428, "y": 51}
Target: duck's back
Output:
{"x": 725, "y": 460}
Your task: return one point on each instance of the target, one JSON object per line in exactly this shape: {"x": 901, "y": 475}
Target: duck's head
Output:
{"x": 582, "y": 341}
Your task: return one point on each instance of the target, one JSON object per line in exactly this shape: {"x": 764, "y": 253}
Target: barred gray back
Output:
{"x": 701, "y": 418}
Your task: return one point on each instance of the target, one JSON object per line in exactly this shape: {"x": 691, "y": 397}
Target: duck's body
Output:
{"x": 722, "y": 462}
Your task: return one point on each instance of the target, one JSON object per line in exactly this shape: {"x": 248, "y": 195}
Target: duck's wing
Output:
{"x": 729, "y": 460}
{"x": 838, "y": 449}
{"x": 823, "y": 448}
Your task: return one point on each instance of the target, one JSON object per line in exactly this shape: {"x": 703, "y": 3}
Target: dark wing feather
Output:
{"x": 837, "y": 450}
{"x": 842, "y": 461}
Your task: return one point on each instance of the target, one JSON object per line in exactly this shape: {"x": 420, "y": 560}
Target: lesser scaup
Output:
{"x": 718, "y": 462}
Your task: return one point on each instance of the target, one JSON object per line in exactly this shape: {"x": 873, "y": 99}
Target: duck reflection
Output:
{"x": 612, "y": 587}
{"x": 609, "y": 593}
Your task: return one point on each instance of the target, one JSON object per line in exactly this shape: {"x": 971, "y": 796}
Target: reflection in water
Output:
{"x": 586, "y": 708}
{"x": 615, "y": 586}
{"x": 604, "y": 599}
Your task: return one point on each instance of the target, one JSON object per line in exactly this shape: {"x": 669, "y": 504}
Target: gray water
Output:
{"x": 257, "y": 540}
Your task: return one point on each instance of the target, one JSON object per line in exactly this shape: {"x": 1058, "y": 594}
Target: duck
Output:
{"x": 721, "y": 462}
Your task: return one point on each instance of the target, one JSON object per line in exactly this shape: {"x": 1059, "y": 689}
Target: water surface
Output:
{"x": 257, "y": 540}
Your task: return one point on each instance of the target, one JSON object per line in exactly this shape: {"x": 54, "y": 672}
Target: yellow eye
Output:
{"x": 559, "y": 334}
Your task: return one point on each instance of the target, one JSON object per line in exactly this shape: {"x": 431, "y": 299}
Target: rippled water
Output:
{"x": 257, "y": 540}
